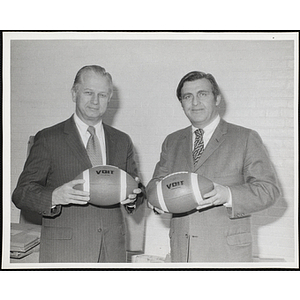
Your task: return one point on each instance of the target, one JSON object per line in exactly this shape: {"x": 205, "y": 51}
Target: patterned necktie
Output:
{"x": 93, "y": 148}
{"x": 198, "y": 145}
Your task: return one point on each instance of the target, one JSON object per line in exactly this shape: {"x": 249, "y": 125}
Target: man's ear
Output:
{"x": 73, "y": 95}
{"x": 218, "y": 100}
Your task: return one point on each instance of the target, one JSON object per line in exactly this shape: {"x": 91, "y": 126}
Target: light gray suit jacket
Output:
{"x": 234, "y": 157}
{"x": 73, "y": 233}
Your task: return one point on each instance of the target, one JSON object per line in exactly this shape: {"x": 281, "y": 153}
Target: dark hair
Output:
{"x": 95, "y": 68}
{"x": 194, "y": 75}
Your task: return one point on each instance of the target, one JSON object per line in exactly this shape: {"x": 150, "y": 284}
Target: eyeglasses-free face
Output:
{"x": 198, "y": 102}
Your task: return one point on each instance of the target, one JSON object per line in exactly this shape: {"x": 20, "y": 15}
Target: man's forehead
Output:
{"x": 90, "y": 77}
{"x": 88, "y": 74}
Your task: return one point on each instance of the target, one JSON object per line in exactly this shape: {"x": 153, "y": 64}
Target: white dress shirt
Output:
{"x": 208, "y": 131}
{"x": 84, "y": 134}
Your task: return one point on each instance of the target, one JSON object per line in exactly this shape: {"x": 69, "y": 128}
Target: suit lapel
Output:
{"x": 185, "y": 149}
{"x": 75, "y": 143}
{"x": 215, "y": 142}
{"x": 109, "y": 142}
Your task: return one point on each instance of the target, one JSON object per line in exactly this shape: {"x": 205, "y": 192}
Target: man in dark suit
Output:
{"x": 72, "y": 229}
{"x": 234, "y": 158}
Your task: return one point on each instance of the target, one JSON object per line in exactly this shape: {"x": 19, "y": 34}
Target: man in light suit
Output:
{"x": 72, "y": 229}
{"x": 235, "y": 159}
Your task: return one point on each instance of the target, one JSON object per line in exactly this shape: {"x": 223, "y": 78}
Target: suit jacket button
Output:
{"x": 99, "y": 229}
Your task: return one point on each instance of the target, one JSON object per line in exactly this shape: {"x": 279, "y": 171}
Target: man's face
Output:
{"x": 199, "y": 103}
{"x": 92, "y": 97}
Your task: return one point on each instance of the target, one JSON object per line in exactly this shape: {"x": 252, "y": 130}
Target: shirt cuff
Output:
{"x": 229, "y": 203}
{"x": 130, "y": 207}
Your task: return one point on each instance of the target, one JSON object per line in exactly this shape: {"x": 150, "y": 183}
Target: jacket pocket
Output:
{"x": 239, "y": 239}
{"x": 57, "y": 233}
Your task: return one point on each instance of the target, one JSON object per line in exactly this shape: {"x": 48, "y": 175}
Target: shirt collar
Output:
{"x": 83, "y": 126}
{"x": 211, "y": 126}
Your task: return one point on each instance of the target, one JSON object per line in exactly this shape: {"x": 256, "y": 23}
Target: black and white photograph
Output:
{"x": 150, "y": 150}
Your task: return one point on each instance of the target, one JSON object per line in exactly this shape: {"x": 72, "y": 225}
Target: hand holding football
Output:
{"x": 179, "y": 192}
{"x": 107, "y": 185}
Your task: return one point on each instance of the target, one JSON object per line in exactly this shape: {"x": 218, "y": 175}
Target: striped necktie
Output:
{"x": 198, "y": 145}
{"x": 93, "y": 148}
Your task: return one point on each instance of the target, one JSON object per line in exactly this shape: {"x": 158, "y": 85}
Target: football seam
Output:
{"x": 160, "y": 197}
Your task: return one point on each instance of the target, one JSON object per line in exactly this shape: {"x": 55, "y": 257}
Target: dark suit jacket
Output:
{"x": 234, "y": 157}
{"x": 73, "y": 233}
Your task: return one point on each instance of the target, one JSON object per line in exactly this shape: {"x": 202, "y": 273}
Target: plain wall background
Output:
{"x": 256, "y": 78}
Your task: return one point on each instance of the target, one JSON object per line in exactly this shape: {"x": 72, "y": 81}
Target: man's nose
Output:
{"x": 95, "y": 99}
{"x": 196, "y": 100}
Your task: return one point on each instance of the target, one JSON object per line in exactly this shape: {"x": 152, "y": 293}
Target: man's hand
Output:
{"x": 132, "y": 197}
{"x": 218, "y": 196}
{"x": 66, "y": 194}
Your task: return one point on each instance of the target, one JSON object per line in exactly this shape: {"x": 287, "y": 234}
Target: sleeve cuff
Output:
{"x": 229, "y": 203}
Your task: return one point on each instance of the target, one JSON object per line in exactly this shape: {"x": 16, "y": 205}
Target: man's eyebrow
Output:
{"x": 206, "y": 91}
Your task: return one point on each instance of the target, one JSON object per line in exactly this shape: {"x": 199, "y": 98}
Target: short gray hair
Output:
{"x": 95, "y": 68}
